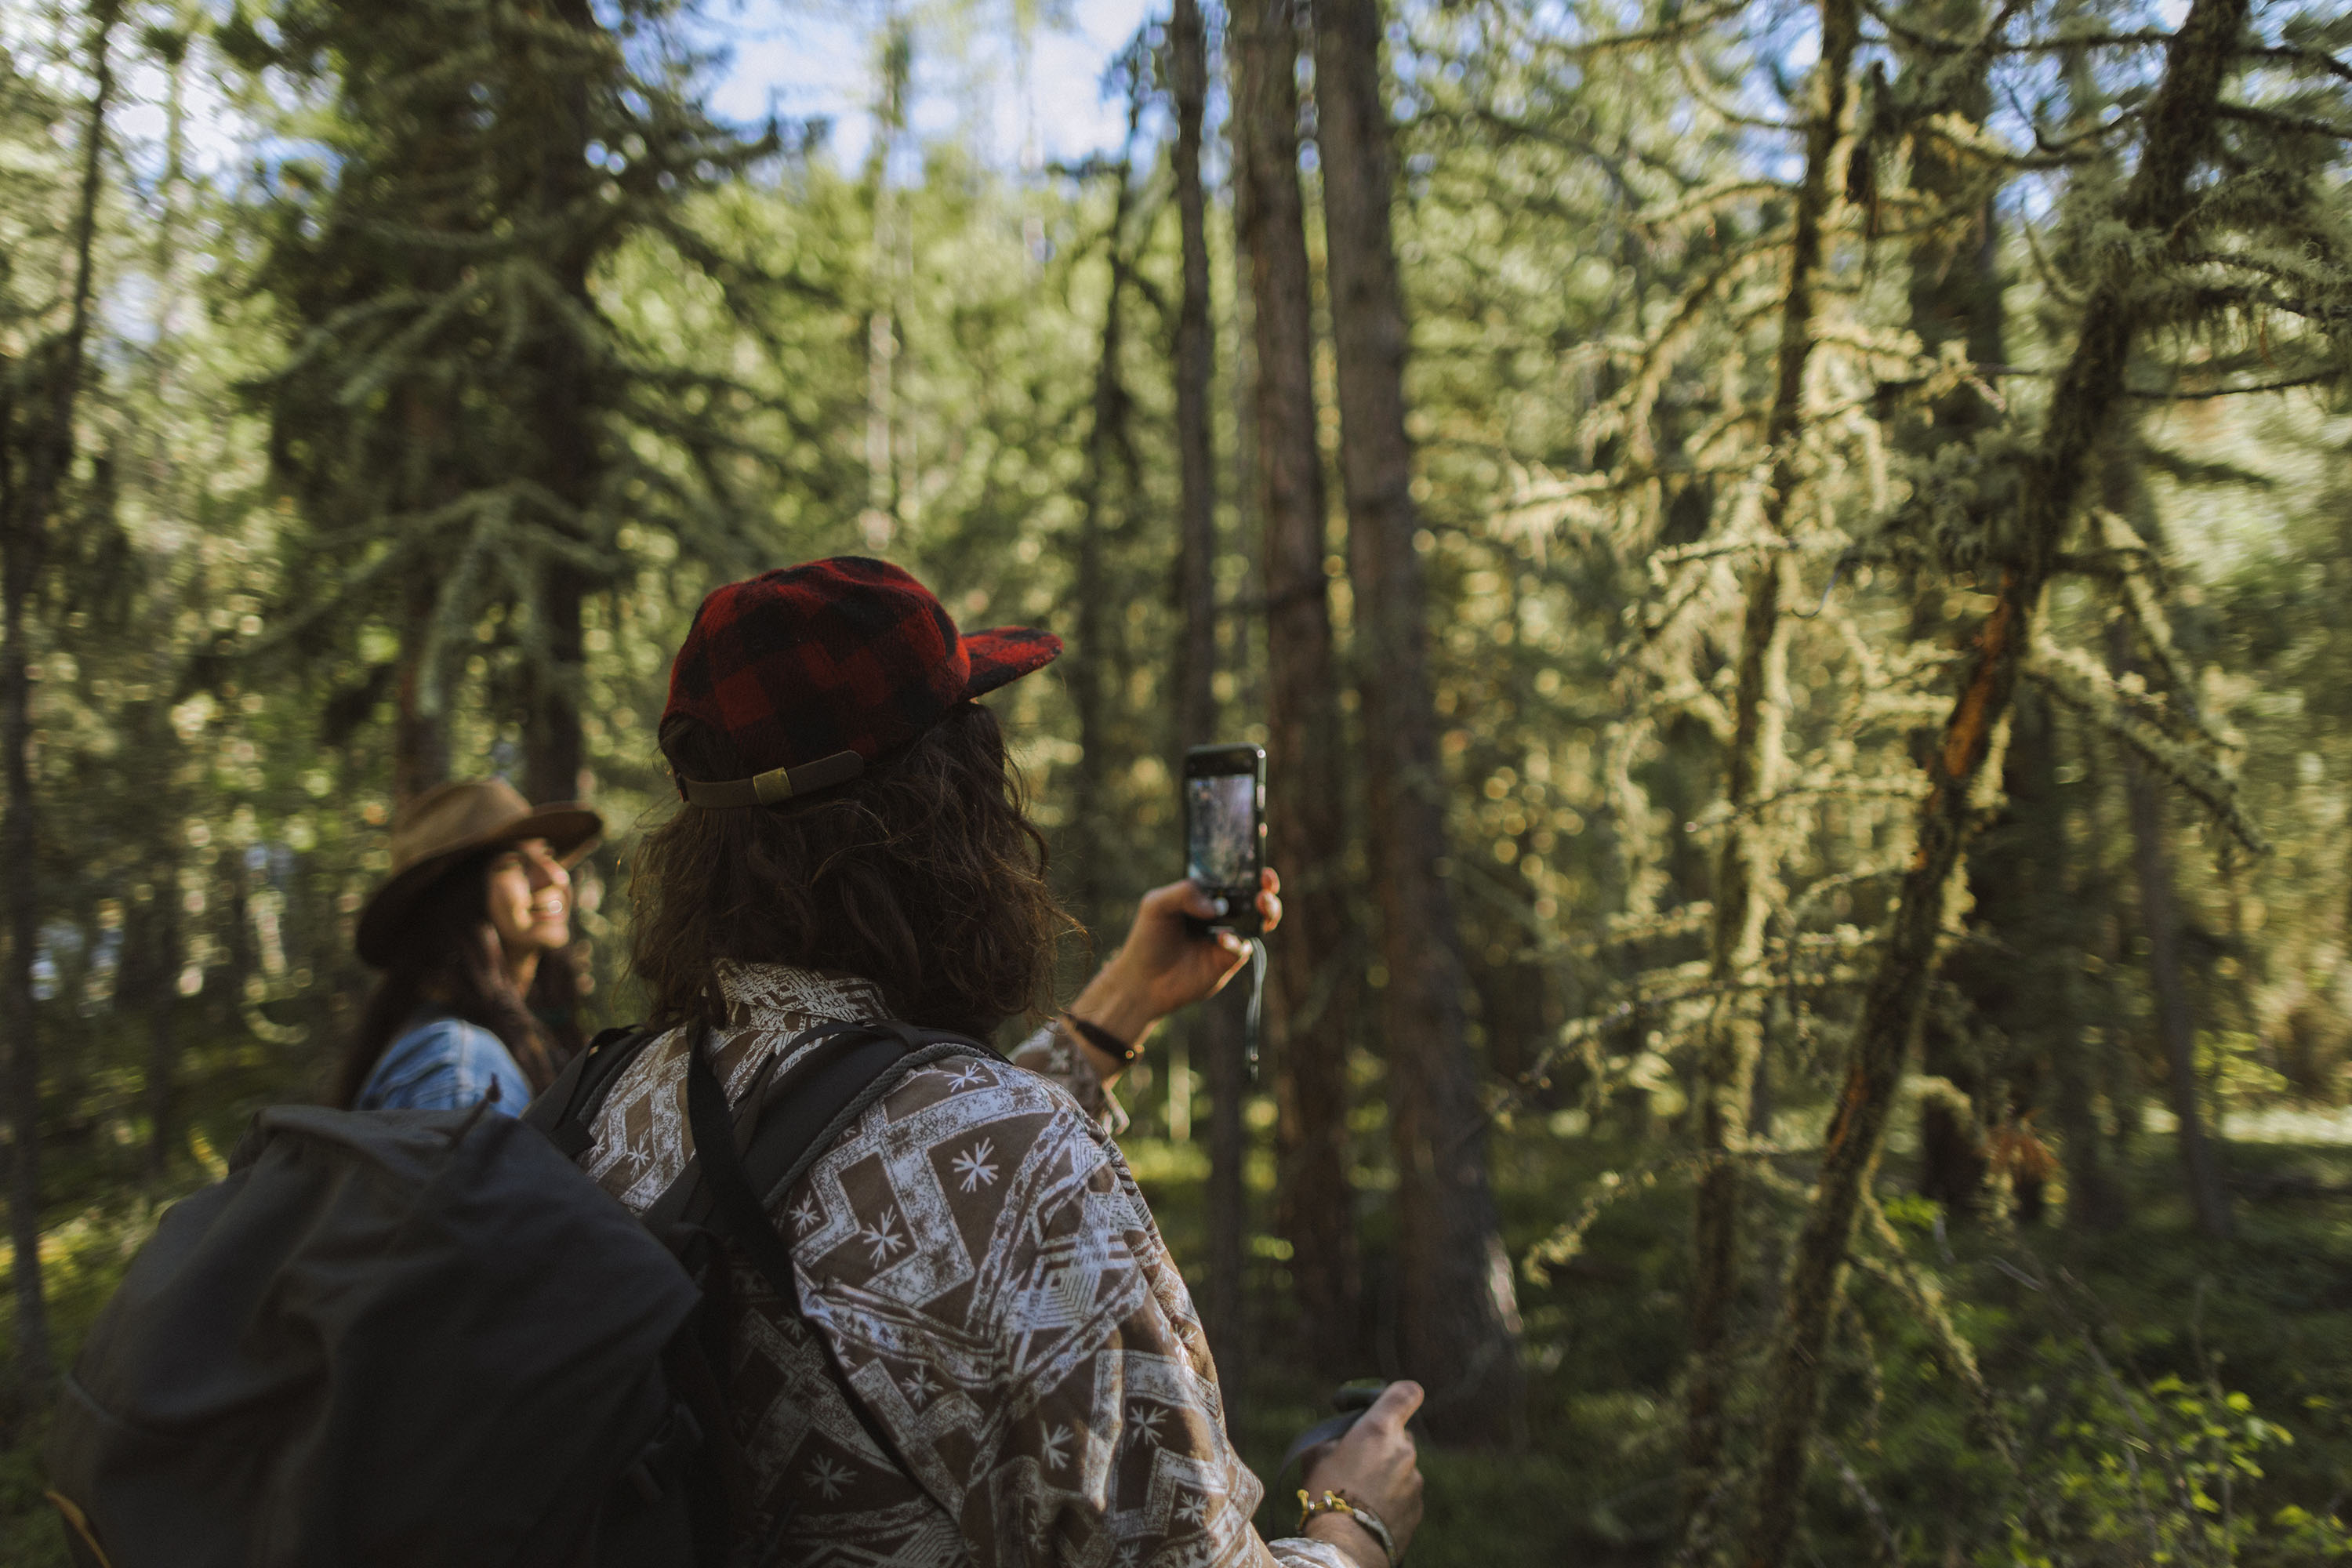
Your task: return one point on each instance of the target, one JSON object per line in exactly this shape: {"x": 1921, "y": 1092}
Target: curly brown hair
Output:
{"x": 924, "y": 874}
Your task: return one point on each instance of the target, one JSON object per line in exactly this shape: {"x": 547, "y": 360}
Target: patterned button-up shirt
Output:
{"x": 986, "y": 1275}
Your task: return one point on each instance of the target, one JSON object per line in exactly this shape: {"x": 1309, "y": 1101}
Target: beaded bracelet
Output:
{"x": 1332, "y": 1502}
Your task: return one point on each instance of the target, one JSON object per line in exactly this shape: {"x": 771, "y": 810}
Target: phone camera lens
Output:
{"x": 1220, "y": 906}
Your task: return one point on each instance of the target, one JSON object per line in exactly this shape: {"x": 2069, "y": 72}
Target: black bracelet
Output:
{"x": 1102, "y": 1039}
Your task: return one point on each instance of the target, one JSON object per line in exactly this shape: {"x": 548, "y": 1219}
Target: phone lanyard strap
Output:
{"x": 1256, "y": 1000}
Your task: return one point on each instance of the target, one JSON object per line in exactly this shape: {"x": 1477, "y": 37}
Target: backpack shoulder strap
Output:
{"x": 564, "y": 1109}
{"x": 733, "y": 1181}
{"x": 801, "y": 1123}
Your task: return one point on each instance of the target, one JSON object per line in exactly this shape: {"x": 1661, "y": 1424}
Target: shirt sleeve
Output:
{"x": 447, "y": 1065}
{"x": 1053, "y": 1052}
{"x": 1123, "y": 1458}
{"x": 1055, "y": 1396}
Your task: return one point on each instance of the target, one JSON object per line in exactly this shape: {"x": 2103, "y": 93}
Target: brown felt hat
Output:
{"x": 439, "y": 829}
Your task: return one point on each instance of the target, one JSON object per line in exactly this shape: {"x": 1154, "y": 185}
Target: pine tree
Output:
{"x": 1743, "y": 871}
{"x": 458, "y": 418}
{"x": 41, "y": 385}
{"x": 1460, "y": 1316}
{"x": 2181, "y": 124}
{"x": 1310, "y": 1009}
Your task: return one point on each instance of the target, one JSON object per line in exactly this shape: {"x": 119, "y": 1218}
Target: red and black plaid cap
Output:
{"x": 802, "y": 664}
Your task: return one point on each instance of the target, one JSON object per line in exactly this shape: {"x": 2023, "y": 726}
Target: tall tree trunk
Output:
{"x": 2050, "y": 935}
{"x": 1744, "y": 875}
{"x": 2160, "y": 919}
{"x": 1743, "y": 869}
{"x": 159, "y": 972}
{"x": 1225, "y": 1308}
{"x": 162, "y": 1016}
{"x": 1460, "y": 1320}
{"x": 1188, "y": 50}
{"x": 420, "y": 733}
{"x": 1312, "y": 1012}
{"x": 1109, "y": 445}
{"x": 879, "y": 523}
{"x": 2179, "y": 122}
{"x": 19, "y": 847}
{"x": 1222, "y": 1045}
{"x": 1955, "y": 296}
{"x": 48, "y": 458}
{"x": 553, "y": 750}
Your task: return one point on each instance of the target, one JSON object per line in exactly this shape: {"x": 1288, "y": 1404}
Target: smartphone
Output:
{"x": 1225, "y": 831}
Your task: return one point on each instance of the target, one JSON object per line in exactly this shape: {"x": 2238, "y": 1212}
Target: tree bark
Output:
{"x": 19, "y": 847}
{"x": 554, "y": 752}
{"x": 1222, "y": 1047}
{"x": 1108, "y": 446}
{"x": 163, "y": 1017}
{"x": 1744, "y": 870}
{"x": 1459, "y": 1317}
{"x": 1312, "y": 1011}
{"x": 2176, "y": 1029}
{"x": 1955, "y": 296}
{"x": 2179, "y": 121}
{"x": 2050, "y": 934}
{"x": 48, "y": 458}
{"x": 420, "y": 732}
{"x": 1188, "y": 50}
{"x": 879, "y": 522}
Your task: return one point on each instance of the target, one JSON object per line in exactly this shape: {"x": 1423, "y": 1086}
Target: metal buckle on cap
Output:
{"x": 775, "y": 784}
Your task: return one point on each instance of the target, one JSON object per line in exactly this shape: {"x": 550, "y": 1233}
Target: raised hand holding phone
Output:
{"x": 1191, "y": 937}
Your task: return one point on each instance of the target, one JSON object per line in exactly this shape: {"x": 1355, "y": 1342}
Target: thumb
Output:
{"x": 1395, "y": 1406}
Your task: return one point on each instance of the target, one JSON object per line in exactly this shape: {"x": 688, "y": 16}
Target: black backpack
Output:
{"x": 423, "y": 1338}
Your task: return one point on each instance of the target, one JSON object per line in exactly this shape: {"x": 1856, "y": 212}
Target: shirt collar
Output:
{"x": 783, "y": 998}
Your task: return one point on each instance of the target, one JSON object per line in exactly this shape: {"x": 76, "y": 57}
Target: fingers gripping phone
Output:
{"x": 1225, "y": 831}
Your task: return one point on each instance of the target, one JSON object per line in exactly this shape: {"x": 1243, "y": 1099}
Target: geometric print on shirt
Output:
{"x": 976, "y": 1262}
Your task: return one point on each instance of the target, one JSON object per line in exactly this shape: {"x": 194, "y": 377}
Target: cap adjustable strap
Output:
{"x": 775, "y": 784}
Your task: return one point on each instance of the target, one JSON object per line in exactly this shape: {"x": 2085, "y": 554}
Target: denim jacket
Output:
{"x": 445, "y": 1064}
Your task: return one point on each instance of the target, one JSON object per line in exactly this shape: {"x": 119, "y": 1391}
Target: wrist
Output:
{"x": 1353, "y": 1539}
{"x": 1112, "y": 1004}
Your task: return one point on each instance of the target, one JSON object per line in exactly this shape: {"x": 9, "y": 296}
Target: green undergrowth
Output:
{"x": 2173, "y": 1399}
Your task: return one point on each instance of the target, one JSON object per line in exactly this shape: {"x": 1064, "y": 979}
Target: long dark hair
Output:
{"x": 450, "y": 959}
{"x": 924, "y": 876}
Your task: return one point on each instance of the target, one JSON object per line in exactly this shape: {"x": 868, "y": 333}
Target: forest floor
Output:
{"x": 2267, "y": 1318}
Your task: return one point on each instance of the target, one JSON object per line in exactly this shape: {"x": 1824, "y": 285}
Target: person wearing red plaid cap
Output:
{"x": 994, "y": 1359}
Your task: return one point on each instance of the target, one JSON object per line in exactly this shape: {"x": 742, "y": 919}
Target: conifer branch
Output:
{"x": 2317, "y": 59}
{"x": 2284, "y": 123}
{"x": 2201, "y": 395}
{"x": 1681, "y": 30}
{"x": 1892, "y": 1267}
{"x": 1972, "y": 142}
{"x": 2073, "y": 679}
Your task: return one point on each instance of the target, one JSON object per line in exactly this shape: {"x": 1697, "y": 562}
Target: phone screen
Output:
{"x": 1221, "y": 829}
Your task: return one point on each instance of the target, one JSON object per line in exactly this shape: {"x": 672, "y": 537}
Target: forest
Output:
{"x": 1781, "y": 555}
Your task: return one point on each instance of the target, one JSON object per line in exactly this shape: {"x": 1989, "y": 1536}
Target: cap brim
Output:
{"x": 1006, "y": 653}
{"x": 570, "y": 831}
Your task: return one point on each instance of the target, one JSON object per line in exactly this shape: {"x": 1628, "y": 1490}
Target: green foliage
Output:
{"x": 323, "y": 494}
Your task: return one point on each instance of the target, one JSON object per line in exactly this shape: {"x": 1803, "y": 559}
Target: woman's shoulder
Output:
{"x": 442, "y": 1063}
{"x": 445, "y": 1035}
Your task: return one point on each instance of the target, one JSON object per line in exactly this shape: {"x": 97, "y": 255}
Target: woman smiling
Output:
{"x": 469, "y": 931}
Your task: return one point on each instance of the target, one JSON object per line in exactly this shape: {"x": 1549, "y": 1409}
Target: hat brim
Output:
{"x": 1006, "y": 653}
{"x": 570, "y": 831}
